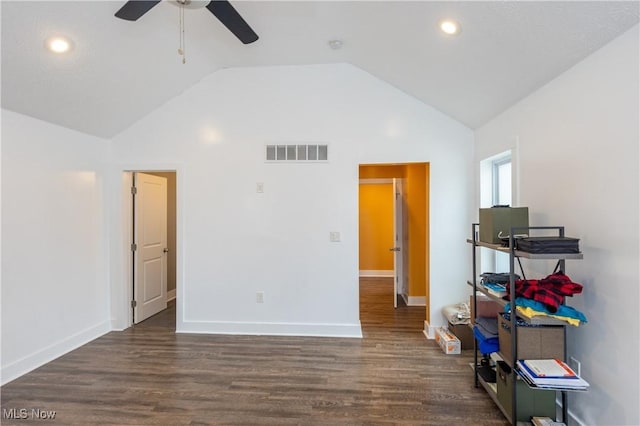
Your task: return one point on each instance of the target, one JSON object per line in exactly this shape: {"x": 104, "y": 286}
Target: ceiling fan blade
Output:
{"x": 231, "y": 19}
{"x": 134, "y": 9}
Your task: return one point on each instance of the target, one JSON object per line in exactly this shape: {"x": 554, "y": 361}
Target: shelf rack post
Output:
{"x": 512, "y": 324}
{"x": 474, "y": 229}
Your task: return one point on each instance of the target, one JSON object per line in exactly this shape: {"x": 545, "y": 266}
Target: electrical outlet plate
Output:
{"x": 260, "y": 297}
{"x": 334, "y": 237}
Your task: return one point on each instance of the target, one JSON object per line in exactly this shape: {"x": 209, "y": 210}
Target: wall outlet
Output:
{"x": 260, "y": 297}
{"x": 334, "y": 237}
{"x": 259, "y": 187}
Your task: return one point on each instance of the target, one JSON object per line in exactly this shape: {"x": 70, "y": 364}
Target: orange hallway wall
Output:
{"x": 376, "y": 226}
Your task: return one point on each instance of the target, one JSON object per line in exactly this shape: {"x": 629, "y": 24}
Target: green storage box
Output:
{"x": 495, "y": 220}
{"x": 531, "y": 402}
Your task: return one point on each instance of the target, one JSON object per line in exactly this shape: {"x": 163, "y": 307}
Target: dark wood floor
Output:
{"x": 150, "y": 375}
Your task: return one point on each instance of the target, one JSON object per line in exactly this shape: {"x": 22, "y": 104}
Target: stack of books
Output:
{"x": 495, "y": 289}
{"x": 550, "y": 374}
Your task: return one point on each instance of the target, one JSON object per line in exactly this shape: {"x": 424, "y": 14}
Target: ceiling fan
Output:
{"x": 221, "y": 9}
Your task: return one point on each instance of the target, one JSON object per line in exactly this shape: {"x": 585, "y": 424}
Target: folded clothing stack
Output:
{"x": 531, "y": 308}
{"x": 541, "y": 245}
{"x": 486, "y": 332}
{"x": 549, "y": 291}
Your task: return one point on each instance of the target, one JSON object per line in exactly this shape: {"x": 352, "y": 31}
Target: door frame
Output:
{"x": 122, "y": 293}
{"x": 146, "y": 185}
{"x": 380, "y": 175}
{"x": 401, "y": 244}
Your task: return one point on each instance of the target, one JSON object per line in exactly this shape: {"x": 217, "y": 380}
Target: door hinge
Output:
{"x": 134, "y": 190}
{"x": 134, "y": 303}
{"x": 134, "y": 247}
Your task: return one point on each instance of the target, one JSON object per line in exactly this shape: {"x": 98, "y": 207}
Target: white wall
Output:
{"x": 578, "y": 167}
{"x": 234, "y": 242}
{"x": 54, "y": 264}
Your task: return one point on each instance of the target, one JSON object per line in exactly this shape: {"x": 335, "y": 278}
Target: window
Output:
{"x": 496, "y": 189}
{"x": 501, "y": 181}
{"x": 501, "y": 195}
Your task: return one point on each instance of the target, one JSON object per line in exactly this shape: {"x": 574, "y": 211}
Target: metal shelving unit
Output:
{"x": 514, "y": 257}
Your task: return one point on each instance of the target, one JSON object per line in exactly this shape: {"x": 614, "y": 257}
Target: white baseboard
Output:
{"x": 37, "y": 359}
{"x": 116, "y": 325}
{"x": 364, "y": 273}
{"x": 415, "y": 300}
{"x": 270, "y": 329}
{"x": 171, "y": 294}
{"x": 429, "y": 331}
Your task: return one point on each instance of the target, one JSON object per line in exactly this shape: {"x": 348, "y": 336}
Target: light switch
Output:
{"x": 259, "y": 187}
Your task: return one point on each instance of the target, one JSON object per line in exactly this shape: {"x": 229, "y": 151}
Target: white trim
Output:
{"x": 429, "y": 331}
{"x": 376, "y": 273}
{"x": 37, "y": 359}
{"x": 127, "y": 233}
{"x": 415, "y": 300}
{"x": 171, "y": 294}
{"x": 116, "y": 326}
{"x": 122, "y": 288}
{"x": 375, "y": 181}
{"x": 271, "y": 329}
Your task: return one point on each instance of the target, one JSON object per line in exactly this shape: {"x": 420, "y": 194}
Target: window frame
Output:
{"x": 495, "y": 179}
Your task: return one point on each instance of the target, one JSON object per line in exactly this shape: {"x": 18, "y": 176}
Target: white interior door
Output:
{"x": 399, "y": 249}
{"x": 150, "y": 246}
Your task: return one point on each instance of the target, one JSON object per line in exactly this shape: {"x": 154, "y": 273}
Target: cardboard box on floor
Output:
{"x": 464, "y": 333}
{"x": 447, "y": 341}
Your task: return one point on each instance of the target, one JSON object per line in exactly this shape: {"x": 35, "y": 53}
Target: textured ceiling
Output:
{"x": 120, "y": 71}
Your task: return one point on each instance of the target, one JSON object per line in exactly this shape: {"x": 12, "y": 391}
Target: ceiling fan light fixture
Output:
{"x": 190, "y": 4}
{"x": 58, "y": 44}
{"x": 449, "y": 27}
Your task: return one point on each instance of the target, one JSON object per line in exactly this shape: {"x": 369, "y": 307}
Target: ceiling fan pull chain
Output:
{"x": 181, "y": 49}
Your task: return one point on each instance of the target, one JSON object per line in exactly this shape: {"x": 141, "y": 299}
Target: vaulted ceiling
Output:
{"x": 118, "y": 71}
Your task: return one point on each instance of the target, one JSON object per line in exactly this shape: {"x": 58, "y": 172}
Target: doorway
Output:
{"x": 382, "y": 237}
{"x": 152, "y": 257}
{"x": 411, "y": 184}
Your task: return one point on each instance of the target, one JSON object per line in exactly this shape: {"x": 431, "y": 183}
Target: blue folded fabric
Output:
{"x": 485, "y": 345}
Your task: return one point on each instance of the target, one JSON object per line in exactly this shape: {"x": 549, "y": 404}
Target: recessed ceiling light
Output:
{"x": 450, "y": 27}
{"x": 58, "y": 44}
